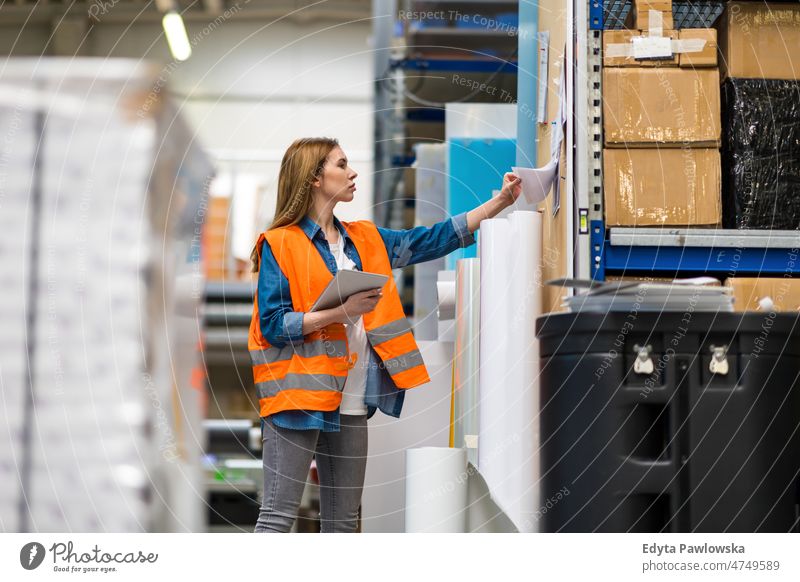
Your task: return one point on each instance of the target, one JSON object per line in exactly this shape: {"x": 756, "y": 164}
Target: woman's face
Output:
{"x": 337, "y": 183}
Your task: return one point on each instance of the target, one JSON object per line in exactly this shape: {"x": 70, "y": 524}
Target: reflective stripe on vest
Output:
{"x": 270, "y": 355}
{"x": 304, "y": 381}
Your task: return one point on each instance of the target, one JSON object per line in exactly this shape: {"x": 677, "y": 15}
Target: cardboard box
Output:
{"x": 670, "y": 106}
{"x": 747, "y": 292}
{"x": 615, "y": 41}
{"x": 642, "y": 19}
{"x": 665, "y": 186}
{"x": 410, "y": 182}
{"x": 660, "y": 5}
{"x": 706, "y": 56}
{"x": 760, "y": 41}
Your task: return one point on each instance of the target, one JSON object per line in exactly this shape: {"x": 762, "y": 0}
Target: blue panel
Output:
{"x": 527, "y": 82}
{"x": 475, "y": 168}
{"x": 596, "y": 14}
{"x": 722, "y": 260}
{"x": 597, "y": 240}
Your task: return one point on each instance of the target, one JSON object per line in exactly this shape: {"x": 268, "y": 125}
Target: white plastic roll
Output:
{"x": 508, "y": 416}
{"x": 526, "y": 299}
{"x": 494, "y": 412}
{"x": 446, "y": 291}
{"x": 436, "y": 490}
{"x": 466, "y": 362}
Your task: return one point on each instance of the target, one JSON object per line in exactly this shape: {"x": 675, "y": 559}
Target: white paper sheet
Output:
{"x": 537, "y": 182}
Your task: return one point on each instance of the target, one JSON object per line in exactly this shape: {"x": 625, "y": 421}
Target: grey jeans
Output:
{"x": 341, "y": 464}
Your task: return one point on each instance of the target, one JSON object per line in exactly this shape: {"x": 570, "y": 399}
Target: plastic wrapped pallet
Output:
{"x": 114, "y": 194}
{"x": 761, "y": 191}
{"x": 761, "y": 154}
{"x": 761, "y": 115}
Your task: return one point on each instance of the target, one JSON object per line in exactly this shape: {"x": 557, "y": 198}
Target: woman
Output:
{"x": 321, "y": 375}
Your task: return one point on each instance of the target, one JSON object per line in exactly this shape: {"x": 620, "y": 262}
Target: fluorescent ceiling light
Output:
{"x": 177, "y": 38}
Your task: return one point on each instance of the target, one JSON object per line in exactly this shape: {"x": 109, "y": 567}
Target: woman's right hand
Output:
{"x": 360, "y": 303}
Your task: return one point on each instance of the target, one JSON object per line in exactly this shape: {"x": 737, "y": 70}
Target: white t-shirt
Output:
{"x": 356, "y": 385}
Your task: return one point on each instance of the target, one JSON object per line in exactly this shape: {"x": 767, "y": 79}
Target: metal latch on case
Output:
{"x": 643, "y": 364}
{"x": 719, "y": 360}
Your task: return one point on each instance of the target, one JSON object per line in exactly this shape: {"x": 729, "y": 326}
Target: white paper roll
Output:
{"x": 446, "y": 291}
{"x": 466, "y": 362}
{"x": 495, "y": 244}
{"x": 526, "y": 299}
{"x": 508, "y": 418}
{"x": 436, "y": 490}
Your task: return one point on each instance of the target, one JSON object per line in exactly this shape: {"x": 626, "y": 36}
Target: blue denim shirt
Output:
{"x": 281, "y": 325}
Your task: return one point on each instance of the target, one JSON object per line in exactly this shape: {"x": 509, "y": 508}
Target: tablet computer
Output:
{"x": 345, "y": 284}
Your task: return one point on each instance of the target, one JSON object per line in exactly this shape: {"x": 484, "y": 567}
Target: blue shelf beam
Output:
{"x": 726, "y": 261}
{"x": 402, "y": 161}
{"x": 456, "y": 65}
{"x": 432, "y": 115}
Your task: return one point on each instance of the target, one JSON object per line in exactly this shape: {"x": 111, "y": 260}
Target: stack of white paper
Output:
{"x": 115, "y": 189}
{"x": 17, "y": 147}
{"x": 631, "y": 296}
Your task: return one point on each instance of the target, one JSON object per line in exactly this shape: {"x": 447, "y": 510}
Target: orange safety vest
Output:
{"x": 311, "y": 376}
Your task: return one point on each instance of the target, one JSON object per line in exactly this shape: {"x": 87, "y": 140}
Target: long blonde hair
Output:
{"x": 301, "y": 165}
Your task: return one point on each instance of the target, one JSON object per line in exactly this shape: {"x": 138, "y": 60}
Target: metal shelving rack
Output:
{"x": 391, "y": 112}
{"x": 667, "y": 250}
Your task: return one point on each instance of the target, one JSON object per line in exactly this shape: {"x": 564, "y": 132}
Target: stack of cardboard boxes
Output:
{"x": 761, "y": 109}
{"x": 216, "y": 239}
{"x": 665, "y": 117}
{"x": 661, "y": 116}
{"x": 760, "y": 62}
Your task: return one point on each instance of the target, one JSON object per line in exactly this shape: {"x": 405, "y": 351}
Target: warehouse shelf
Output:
{"x": 232, "y": 338}
{"x": 464, "y": 31}
{"x": 455, "y": 65}
{"x": 471, "y": 49}
{"x": 713, "y": 260}
{"x": 489, "y": 5}
{"x": 685, "y": 14}
{"x": 402, "y": 161}
{"x": 432, "y": 115}
{"x": 725, "y": 252}
{"x": 599, "y": 250}
{"x": 227, "y": 314}
{"x": 234, "y": 291}
{"x": 701, "y": 237}
{"x": 713, "y": 251}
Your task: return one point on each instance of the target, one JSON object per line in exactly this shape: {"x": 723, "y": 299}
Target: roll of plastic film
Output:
{"x": 510, "y": 299}
{"x": 495, "y": 312}
{"x": 436, "y": 490}
{"x": 467, "y": 348}
{"x": 526, "y": 299}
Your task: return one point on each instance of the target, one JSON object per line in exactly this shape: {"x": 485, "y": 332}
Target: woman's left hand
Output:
{"x": 511, "y": 189}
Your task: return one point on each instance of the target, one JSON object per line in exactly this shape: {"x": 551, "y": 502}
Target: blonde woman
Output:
{"x": 320, "y": 375}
